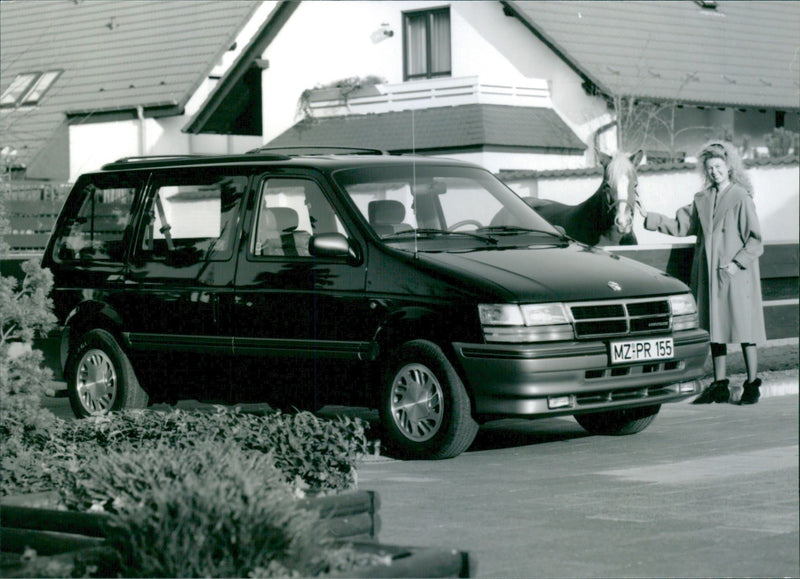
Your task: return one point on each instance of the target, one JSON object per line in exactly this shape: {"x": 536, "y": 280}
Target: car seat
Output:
{"x": 293, "y": 242}
{"x": 386, "y": 216}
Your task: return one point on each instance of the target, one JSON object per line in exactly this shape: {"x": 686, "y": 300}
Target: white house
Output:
{"x": 511, "y": 85}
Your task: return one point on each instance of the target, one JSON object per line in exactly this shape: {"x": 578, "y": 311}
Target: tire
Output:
{"x": 619, "y": 422}
{"x": 100, "y": 378}
{"x": 424, "y": 408}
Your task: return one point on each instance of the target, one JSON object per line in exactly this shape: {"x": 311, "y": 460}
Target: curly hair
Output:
{"x": 728, "y": 153}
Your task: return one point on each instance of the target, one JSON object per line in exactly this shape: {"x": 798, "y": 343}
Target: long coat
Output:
{"x": 729, "y": 305}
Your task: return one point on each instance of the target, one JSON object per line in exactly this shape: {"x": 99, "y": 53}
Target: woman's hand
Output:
{"x": 731, "y": 268}
{"x": 641, "y": 209}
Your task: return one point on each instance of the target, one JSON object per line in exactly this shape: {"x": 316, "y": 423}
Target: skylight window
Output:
{"x": 28, "y": 88}
{"x": 41, "y": 86}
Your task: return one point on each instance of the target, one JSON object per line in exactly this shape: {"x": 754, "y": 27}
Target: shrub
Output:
{"x": 312, "y": 453}
{"x": 26, "y": 429}
{"x": 209, "y": 510}
{"x": 781, "y": 142}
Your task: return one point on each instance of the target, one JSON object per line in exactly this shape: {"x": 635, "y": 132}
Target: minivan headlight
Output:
{"x": 526, "y": 323}
{"x": 684, "y": 312}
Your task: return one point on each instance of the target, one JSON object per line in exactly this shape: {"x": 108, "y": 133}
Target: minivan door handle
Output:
{"x": 215, "y": 308}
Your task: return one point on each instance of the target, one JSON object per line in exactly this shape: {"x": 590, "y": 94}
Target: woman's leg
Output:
{"x": 750, "y": 393}
{"x": 718, "y": 390}
{"x": 719, "y": 353}
{"x": 750, "y": 355}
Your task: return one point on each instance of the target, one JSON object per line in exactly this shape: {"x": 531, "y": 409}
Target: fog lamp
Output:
{"x": 554, "y": 402}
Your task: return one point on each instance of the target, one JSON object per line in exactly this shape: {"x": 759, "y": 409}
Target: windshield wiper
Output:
{"x": 435, "y": 232}
{"x": 513, "y": 229}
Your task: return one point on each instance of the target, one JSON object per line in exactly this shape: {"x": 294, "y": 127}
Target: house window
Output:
{"x": 426, "y": 43}
{"x": 28, "y": 88}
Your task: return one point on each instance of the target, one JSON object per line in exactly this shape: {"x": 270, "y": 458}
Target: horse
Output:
{"x": 605, "y": 218}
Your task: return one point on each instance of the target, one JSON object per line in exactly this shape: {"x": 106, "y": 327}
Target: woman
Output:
{"x": 725, "y": 276}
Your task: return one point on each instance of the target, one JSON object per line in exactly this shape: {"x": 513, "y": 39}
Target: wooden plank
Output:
{"x": 415, "y": 562}
{"x": 32, "y": 208}
{"x": 779, "y": 260}
{"x": 782, "y": 321}
{"x": 363, "y": 526}
{"x": 46, "y": 542}
{"x": 352, "y": 514}
{"x": 38, "y": 224}
{"x": 25, "y": 242}
{"x": 19, "y": 517}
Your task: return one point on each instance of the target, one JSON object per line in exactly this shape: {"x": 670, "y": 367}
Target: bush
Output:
{"x": 312, "y": 453}
{"x": 26, "y": 429}
{"x": 208, "y": 510}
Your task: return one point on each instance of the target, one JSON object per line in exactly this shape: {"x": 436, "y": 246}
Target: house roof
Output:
{"x": 115, "y": 56}
{"x": 741, "y": 53}
{"x": 441, "y": 128}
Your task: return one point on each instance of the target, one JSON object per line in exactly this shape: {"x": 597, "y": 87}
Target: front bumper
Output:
{"x": 574, "y": 377}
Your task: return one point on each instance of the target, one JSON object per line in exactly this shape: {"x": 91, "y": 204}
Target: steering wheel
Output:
{"x": 464, "y": 222}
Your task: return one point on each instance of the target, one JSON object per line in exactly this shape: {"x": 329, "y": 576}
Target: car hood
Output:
{"x": 548, "y": 273}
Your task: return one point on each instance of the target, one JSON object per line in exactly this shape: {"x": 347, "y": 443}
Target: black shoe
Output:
{"x": 751, "y": 393}
{"x": 716, "y": 392}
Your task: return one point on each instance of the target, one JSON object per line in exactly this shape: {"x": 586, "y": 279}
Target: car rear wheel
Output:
{"x": 619, "y": 422}
{"x": 425, "y": 410}
{"x": 100, "y": 377}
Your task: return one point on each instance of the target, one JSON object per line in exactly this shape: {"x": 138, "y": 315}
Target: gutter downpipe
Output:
{"x": 142, "y": 130}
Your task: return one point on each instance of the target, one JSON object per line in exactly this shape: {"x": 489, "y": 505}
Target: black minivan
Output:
{"x": 421, "y": 286}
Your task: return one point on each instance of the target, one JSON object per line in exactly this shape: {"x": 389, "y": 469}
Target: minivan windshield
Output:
{"x": 434, "y": 201}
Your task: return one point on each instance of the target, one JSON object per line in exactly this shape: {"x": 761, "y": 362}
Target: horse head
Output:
{"x": 620, "y": 188}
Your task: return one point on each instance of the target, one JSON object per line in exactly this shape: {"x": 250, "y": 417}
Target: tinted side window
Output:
{"x": 190, "y": 216}
{"x": 98, "y": 215}
{"x": 288, "y": 213}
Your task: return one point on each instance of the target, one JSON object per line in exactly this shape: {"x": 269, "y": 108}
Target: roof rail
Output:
{"x": 310, "y": 151}
{"x": 146, "y": 158}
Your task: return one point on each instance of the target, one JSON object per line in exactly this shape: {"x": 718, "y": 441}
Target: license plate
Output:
{"x": 641, "y": 350}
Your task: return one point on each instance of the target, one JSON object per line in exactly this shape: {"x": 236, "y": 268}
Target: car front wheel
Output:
{"x": 425, "y": 410}
{"x": 100, "y": 377}
{"x": 619, "y": 422}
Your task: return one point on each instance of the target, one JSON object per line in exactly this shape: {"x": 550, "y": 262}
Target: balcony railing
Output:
{"x": 419, "y": 94}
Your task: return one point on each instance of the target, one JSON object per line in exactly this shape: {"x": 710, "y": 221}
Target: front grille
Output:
{"x": 620, "y": 318}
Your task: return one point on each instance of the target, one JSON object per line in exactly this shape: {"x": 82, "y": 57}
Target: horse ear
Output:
{"x": 636, "y": 158}
{"x": 604, "y": 159}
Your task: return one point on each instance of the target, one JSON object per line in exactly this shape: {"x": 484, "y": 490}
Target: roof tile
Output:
{"x": 438, "y": 128}
{"x": 114, "y": 55}
{"x": 744, "y": 53}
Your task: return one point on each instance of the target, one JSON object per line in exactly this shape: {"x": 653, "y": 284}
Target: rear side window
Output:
{"x": 190, "y": 216}
{"x": 98, "y": 214}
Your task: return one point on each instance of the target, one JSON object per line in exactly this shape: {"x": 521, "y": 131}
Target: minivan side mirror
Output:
{"x": 560, "y": 229}
{"x": 332, "y": 245}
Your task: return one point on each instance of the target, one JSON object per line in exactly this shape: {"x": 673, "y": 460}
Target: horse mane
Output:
{"x": 619, "y": 165}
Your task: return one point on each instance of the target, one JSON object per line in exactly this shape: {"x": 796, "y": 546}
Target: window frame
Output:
{"x": 73, "y": 206}
{"x": 160, "y": 179}
{"x": 259, "y": 188}
{"x": 30, "y": 92}
{"x": 428, "y": 13}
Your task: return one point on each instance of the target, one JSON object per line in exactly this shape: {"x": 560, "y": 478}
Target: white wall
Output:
{"x": 497, "y": 161}
{"x": 777, "y": 198}
{"x": 94, "y": 144}
{"x": 327, "y": 41}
